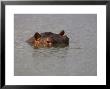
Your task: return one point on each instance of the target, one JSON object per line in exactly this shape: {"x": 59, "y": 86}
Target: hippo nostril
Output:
{"x": 48, "y": 41}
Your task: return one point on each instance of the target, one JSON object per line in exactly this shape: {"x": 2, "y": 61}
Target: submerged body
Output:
{"x": 49, "y": 39}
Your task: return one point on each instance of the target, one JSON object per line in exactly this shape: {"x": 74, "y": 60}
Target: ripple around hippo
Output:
{"x": 48, "y": 39}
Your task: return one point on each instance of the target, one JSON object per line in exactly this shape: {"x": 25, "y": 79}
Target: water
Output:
{"x": 78, "y": 59}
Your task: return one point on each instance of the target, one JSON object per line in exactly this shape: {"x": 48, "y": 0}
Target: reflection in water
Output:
{"x": 50, "y": 52}
{"x": 53, "y": 61}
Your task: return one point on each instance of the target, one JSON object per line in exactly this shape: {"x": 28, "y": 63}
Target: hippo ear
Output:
{"x": 37, "y": 35}
{"x": 62, "y": 33}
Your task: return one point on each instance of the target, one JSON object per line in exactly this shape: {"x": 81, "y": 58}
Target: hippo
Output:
{"x": 48, "y": 39}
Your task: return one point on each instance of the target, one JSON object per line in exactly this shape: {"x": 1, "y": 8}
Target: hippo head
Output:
{"x": 49, "y": 39}
{"x": 41, "y": 41}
